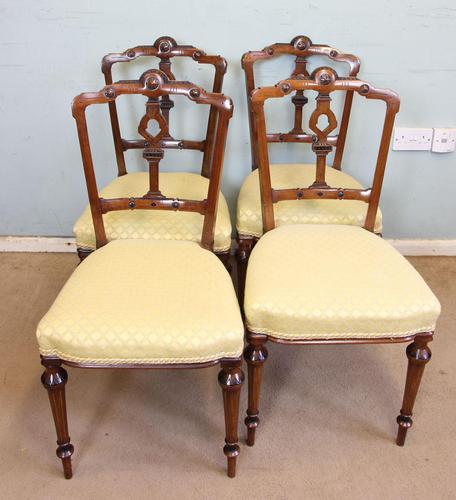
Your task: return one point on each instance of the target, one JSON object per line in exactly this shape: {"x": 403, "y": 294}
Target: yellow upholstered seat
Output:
{"x": 334, "y": 282}
{"x": 137, "y": 301}
{"x": 156, "y": 224}
{"x": 352, "y": 212}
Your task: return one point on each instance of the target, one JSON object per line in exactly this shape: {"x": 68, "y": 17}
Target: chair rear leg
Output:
{"x": 230, "y": 379}
{"x": 418, "y": 354}
{"x": 225, "y": 258}
{"x": 255, "y": 355}
{"x": 243, "y": 251}
{"x": 54, "y": 380}
{"x": 83, "y": 253}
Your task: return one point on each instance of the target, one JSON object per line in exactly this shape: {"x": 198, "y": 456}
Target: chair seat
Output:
{"x": 156, "y": 224}
{"x": 145, "y": 302}
{"x": 352, "y": 212}
{"x": 326, "y": 282}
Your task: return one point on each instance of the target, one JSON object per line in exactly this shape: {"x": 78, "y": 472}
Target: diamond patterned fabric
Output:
{"x": 352, "y": 212}
{"x": 149, "y": 302}
{"x": 156, "y": 224}
{"x": 331, "y": 282}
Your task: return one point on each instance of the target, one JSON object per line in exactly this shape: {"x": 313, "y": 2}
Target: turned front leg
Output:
{"x": 230, "y": 379}
{"x": 418, "y": 354}
{"x": 54, "y": 380}
{"x": 255, "y": 355}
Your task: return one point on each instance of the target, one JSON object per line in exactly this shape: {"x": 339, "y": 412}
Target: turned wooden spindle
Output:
{"x": 231, "y": 378}
{"x": 418, "y": 354}
{"x": 54, "y": 380}
{"x": 255, "y": 354}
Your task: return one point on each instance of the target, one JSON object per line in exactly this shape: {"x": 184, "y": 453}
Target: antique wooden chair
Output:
{"x": 140, "y": 224}
{"x": 331, "y": 284}
{"x": 145, "y": 303}
{"x": 248, "y": 223}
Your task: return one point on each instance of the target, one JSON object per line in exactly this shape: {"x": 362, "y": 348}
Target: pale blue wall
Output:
{"x": 51, "y": 51}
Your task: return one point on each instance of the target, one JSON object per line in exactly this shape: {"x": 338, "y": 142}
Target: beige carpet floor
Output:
{"x": 328, "y": 415}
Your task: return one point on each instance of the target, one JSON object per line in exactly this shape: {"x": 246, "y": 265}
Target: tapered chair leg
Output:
{"x": 255, "y": 355}
{"x": 230, "y": 379}
{"x": 418, "y": 354}
{"x": 54, "y": 380}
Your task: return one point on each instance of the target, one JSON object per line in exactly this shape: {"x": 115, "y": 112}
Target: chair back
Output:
{"x": 165, "y": 49}
{"x": 302, "y": 47}
{"x": 155, "y": 84}
{"x": 324, "y": 81}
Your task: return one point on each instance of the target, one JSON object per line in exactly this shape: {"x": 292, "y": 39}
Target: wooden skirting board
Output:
{"x": 57, "y": 244}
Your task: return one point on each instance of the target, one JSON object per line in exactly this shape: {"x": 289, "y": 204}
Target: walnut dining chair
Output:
{"x": 147, "y": 304}
{"x": 141, "y": 224}
{"x": 328, "y": 284}
{"x": 248, "y": 216}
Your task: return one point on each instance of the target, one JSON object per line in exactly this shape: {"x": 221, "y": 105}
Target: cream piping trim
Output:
{"x": 152, "y": 361}
{"x": 289, "y": 336}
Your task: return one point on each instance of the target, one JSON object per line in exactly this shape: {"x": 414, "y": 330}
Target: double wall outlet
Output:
{"x": 439, "y": 140}
{"x": 412, "y": 139}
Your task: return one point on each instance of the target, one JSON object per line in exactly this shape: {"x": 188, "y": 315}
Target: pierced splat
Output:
{"x": 165, "y": 48}
{"x": 320, "y": 145}
{"x": 304, "y": 50}
{"x": 324, "y": 81}
{"x": 153, "y": 153}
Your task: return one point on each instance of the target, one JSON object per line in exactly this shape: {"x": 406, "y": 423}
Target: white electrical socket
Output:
{"x": 412, "y": 139}
{"x": 444, "y": 140}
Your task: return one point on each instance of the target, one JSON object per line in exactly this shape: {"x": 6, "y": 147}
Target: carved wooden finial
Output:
{"x": 301, "y": 42}
{"x": 164, "y": 44}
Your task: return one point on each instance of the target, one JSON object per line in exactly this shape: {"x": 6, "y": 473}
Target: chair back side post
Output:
{"x": 267, "y": 208}
{"x": 324, "y": 81}
{"x": 89, "y": 172}
{"x": 207, "y": 239}
{"x": 220, "y": 70}
{"x": 391, "y": 110}
{"x": 115, "y": 127}
{"x": 165, "y": 48}
{"x": 303, "y": 48}
{"x": 154, "y": 84}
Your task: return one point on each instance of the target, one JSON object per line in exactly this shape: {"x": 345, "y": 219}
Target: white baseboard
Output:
{"x": 56, "y": 244}
{"x": 425, "y": 247}
{"x": 36, "y": 244}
